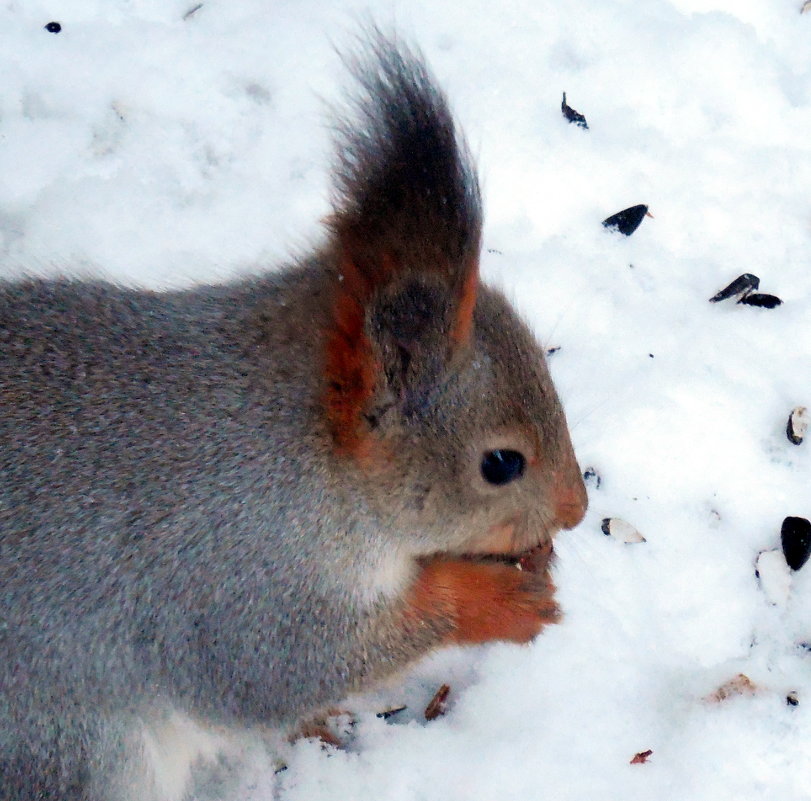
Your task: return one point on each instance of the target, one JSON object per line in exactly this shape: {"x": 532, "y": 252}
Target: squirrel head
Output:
{"x": 436, "y": 394}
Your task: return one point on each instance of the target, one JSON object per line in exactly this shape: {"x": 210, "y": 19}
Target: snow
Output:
{"x": 160, "y": 150}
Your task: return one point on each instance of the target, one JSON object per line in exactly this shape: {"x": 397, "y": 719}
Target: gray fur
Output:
{"x": 177, "y": 531}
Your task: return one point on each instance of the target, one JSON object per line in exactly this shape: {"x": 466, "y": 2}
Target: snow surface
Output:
{"x": 160, "y": 148}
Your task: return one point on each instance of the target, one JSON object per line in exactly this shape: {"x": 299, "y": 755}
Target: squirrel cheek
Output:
{"x": 393, "y": 573}
{"x": 499, "y": 539}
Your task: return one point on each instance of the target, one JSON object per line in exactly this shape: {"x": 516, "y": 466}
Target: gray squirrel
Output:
{"x": 234, "y": 505}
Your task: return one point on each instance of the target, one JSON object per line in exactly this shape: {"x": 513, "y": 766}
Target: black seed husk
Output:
{"x": 762, "y": 300}
{"x": 192, "y": 11}
{"x": 627, "y": 220}
{"x": 573, "y": 116}
{"x": 795, "y": 537}
{"x": 390, "y": 713}
{"x": 743, "y": 284}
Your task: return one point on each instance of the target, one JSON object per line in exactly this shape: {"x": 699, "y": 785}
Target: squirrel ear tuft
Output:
{"x": 407, "y": 213}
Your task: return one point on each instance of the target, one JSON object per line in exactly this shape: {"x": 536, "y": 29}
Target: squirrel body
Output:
{"x": 236, "y": 504}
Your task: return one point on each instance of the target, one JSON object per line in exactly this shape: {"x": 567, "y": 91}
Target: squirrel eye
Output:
{"x": 500, "y": 467}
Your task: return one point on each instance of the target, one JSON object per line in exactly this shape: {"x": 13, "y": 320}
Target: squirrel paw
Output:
{"x": 486, "y": 600}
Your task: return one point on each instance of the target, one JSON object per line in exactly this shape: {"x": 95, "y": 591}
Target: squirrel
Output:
{"x": 240, "y": 503}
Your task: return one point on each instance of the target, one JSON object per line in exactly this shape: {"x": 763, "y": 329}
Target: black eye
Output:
{"x": 501, "y": 467}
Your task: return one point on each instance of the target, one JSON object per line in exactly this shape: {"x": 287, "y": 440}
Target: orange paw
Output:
{"x": 486, "y": 600}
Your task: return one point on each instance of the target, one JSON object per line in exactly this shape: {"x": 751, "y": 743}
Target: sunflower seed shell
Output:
{"x": 620, "y": 530}
{"x": 797, "y": 425}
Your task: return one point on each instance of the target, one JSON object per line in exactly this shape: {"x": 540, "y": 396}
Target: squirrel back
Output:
{"x": 239, "y": 503}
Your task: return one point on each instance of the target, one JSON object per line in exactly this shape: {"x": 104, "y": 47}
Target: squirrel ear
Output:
{"x": 393, "y": 331}
{"x": 406, "y": 228}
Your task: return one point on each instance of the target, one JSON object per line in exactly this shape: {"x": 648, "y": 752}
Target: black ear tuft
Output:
{"x": 404, "y": 180}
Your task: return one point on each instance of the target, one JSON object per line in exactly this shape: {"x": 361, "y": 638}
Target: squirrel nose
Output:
{"x": 570, "y": 502}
